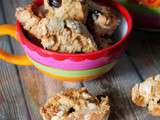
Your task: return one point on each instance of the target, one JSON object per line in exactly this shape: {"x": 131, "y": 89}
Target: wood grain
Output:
{"x": 133, "y": 68}
{"x": 12, "y": 103}
{"x": 138, "y": 65}
{"x": 144, "y": 53}
{"x": 140, "y": 61}
{"x": 36, "y": 87}
{"x": 117, "y": 85}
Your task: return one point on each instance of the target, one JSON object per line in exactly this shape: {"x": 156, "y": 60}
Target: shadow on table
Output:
{"x": 143, "y": 52}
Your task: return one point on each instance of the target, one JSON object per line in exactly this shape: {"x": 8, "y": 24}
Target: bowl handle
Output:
{"x": 9, "y": 29}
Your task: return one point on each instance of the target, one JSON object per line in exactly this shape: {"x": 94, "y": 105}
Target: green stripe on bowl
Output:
{"x": 140, "y": 8}
{"x": 75, "y": 73}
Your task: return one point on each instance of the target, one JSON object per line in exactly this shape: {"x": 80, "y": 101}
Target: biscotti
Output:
{"x": 67, "y": 9}
{"x": 147, "y": 94}
{"x": 101, "y": 20}
{"x": 69, "y": 26}
{"x": 67, "y": 36}
{"x": 76, "y": 104}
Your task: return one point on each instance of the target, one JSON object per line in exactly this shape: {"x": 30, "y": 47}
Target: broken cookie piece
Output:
{"x": 76, "y": 104}
{"x": 67, "y": 36}
{"x": 147, "y": 94}
{"x": 101, "y": 20}
{"x": 67, "y": 9}
{"x": 104, "y": 42}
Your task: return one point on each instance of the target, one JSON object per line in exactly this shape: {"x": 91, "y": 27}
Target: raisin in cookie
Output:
{"x": 68, "y": 36}
{"x": 101, "y": 20}
{"x": 147, "y": 94}
{"x": 67, "y": 9}
{"x": 76, "y": 104}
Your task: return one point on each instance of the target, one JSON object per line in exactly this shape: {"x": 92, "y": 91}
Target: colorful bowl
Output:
{"x": 147, "y": 18}
{"x": 76, "y": 67}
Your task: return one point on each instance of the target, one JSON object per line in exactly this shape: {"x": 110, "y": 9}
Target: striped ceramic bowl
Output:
{"x": 73, "y": 67}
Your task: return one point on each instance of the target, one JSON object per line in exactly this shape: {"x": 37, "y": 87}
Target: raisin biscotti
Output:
{"x": 76, "y": 104}
{"x": 147, "y": 94}
{"x": 67, "y": 9}
{"x": 101, "y": 20}
{"x": 67, "y": 36}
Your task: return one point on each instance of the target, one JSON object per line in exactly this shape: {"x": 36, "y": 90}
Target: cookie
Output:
{"x": 70, "y": 37}
{"x": 101, "y": 20}
{"x": 76, "y": 104}
{"x": 147, "y": 94}
{"x": 67, "y": 36}
{"x": 26, "y": 15}
{"x": 103, "y": 42}
{"x": 67, "y": 9}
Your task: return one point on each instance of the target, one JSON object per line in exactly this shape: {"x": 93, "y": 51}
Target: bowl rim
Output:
{"x": 121, "y": 9}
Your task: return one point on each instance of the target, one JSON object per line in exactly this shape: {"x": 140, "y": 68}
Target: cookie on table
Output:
{"x": 67, "y": 36}
{"x": 101, "y": 20}
{"x": 147, "y": 94}
{"x": 67, "y": 9}
{"x": 76, "y": 104}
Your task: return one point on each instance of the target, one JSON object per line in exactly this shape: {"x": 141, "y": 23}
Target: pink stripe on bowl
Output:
{"x": 68, "y": 64}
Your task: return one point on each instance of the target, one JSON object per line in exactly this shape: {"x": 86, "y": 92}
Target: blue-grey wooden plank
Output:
{"x": 12, "y": 103}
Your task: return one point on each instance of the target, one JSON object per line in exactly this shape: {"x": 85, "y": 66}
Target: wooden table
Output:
{"x": 24, "y": 89}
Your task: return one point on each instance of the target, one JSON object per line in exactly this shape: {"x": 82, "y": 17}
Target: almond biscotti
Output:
{"x": 67, "y": 9}
{"x": 101, "y": 19}
{"x": 67, "y": 36}
{"x": 76, "y": 104}
{"x": 147, "y": 94}
{"x": 69, "y": 26}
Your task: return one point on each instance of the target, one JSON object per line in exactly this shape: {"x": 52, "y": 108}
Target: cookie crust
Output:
{"x": 76, "y": 104}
